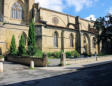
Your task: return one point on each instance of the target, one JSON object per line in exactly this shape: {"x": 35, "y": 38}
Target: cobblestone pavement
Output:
{"x": 95, "y": 76}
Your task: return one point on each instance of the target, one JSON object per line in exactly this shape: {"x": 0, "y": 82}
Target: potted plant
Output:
{"x": 1, "y": 58}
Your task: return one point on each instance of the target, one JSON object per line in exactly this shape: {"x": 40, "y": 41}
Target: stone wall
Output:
{"x": 40, "y": 62}
{"x": 48, "y": 39}
{"x": 27, "y": 8}
{"x": 1, "y": 8}
{"x": 45, "y": 36}
{"x": 6, "y": 33}
{"x": 60, "y": 19}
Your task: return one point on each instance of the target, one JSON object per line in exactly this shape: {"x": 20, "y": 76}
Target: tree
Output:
{"x": 21, "y": 48}
{"x": 13, "y": 50}
{"x": 104, "y": 27}
{"x": 31, "y": 39}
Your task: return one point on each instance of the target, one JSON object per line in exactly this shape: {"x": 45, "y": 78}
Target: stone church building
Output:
{"x": 55, "y": 31}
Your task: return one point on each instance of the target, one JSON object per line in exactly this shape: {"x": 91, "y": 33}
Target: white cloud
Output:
{"x": 91, "y": 17}
{"x": 80, "y": 4}
{"x": 110, "y": 10}
{"x": 52, "y": 4}
{"x": 59, "y": 5}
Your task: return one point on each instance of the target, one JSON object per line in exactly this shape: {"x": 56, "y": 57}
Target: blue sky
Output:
{"x": 82, "y": 8}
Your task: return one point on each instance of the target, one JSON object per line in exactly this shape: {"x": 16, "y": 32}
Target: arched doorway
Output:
{"x": 86, "y": 44}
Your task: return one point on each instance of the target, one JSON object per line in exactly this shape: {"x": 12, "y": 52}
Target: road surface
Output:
{"x": 95, "y": 76}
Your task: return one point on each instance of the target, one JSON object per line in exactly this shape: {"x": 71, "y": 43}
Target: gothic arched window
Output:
{"x": 94, "y": 42}
{"x": 71, "y": 40}
{"x": 56, "y": 39}
{"x": 16, "y": 11}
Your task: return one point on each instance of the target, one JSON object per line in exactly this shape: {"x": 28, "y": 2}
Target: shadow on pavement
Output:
{"x": 95, "y": 76}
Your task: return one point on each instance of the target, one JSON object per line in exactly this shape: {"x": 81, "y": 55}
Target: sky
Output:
{"x": 87, "y": 9}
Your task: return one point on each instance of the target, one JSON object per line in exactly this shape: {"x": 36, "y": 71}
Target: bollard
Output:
{"x": 1, "y": 66}
{"x": 96, "y": 56}
{"x": 45, "y": 60}
{"x": 63, "y": 59}
{"x": 32, "y": 65}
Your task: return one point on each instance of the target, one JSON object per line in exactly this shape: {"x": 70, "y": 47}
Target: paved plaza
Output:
{"x": 14, "y": 73}
{"x": 76, "y": 74}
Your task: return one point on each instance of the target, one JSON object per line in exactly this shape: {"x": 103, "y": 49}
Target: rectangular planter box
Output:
{"x": 1, "y": 59}
{"x": 40, "y": 62}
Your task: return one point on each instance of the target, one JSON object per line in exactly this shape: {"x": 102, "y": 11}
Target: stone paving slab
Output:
{"x": 14, "y": 73}
{"x": 82, "y": 64}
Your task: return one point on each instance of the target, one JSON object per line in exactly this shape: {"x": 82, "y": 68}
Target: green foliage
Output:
{"x": 72, "y": 54}
{"x": 86, "y": 54}
{"x": 49, "y": 54}
{"x": 21, "y": 48}
{"x": 69, "y": 54}
{"x": 101, "y": 54}
{"x": 13, "y": 50}
{"x": 58, "y": 54}
{"x": 1, "y": 56}
{"x": 76, "y": 54}
{"x": 54, "y": 54}
{"x": 31, "y": 39}
{"x": 0, "y": 51}
{"x": 38, "y": 53}
{"x": 104, "y": 27}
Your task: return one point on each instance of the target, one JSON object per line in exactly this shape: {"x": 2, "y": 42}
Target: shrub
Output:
{"x": 38, "y": 53}
{"x": 58, "y": 54}
{"x": 31, "y": 39}
{"x": 54, "y": 54}
{"x": 72, "y": 54}
{"x": 68, "y": 54}
{"x": 86, "y": 54}
{"x": 49, "y": 54}
{"x": 1, "y": 56}
{"x": 13, "y": 50}
{"x": 76, "y": 54}
{"x": 101, "y": 54}
{"x": 21, "y": 48}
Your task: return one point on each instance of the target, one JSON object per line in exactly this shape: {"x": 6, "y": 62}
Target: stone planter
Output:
{"x": 26, "y": 60}
{"x": 1, "y": 59}
{"x": 1, "y": 67}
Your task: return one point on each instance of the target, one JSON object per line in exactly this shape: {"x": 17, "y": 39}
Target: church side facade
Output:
{"x": 55, "y": 31}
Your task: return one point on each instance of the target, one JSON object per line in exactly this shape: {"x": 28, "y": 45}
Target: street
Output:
{"x": 95, "y": 76}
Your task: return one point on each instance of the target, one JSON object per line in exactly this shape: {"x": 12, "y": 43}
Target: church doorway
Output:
{"x": 86, "y": 44}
